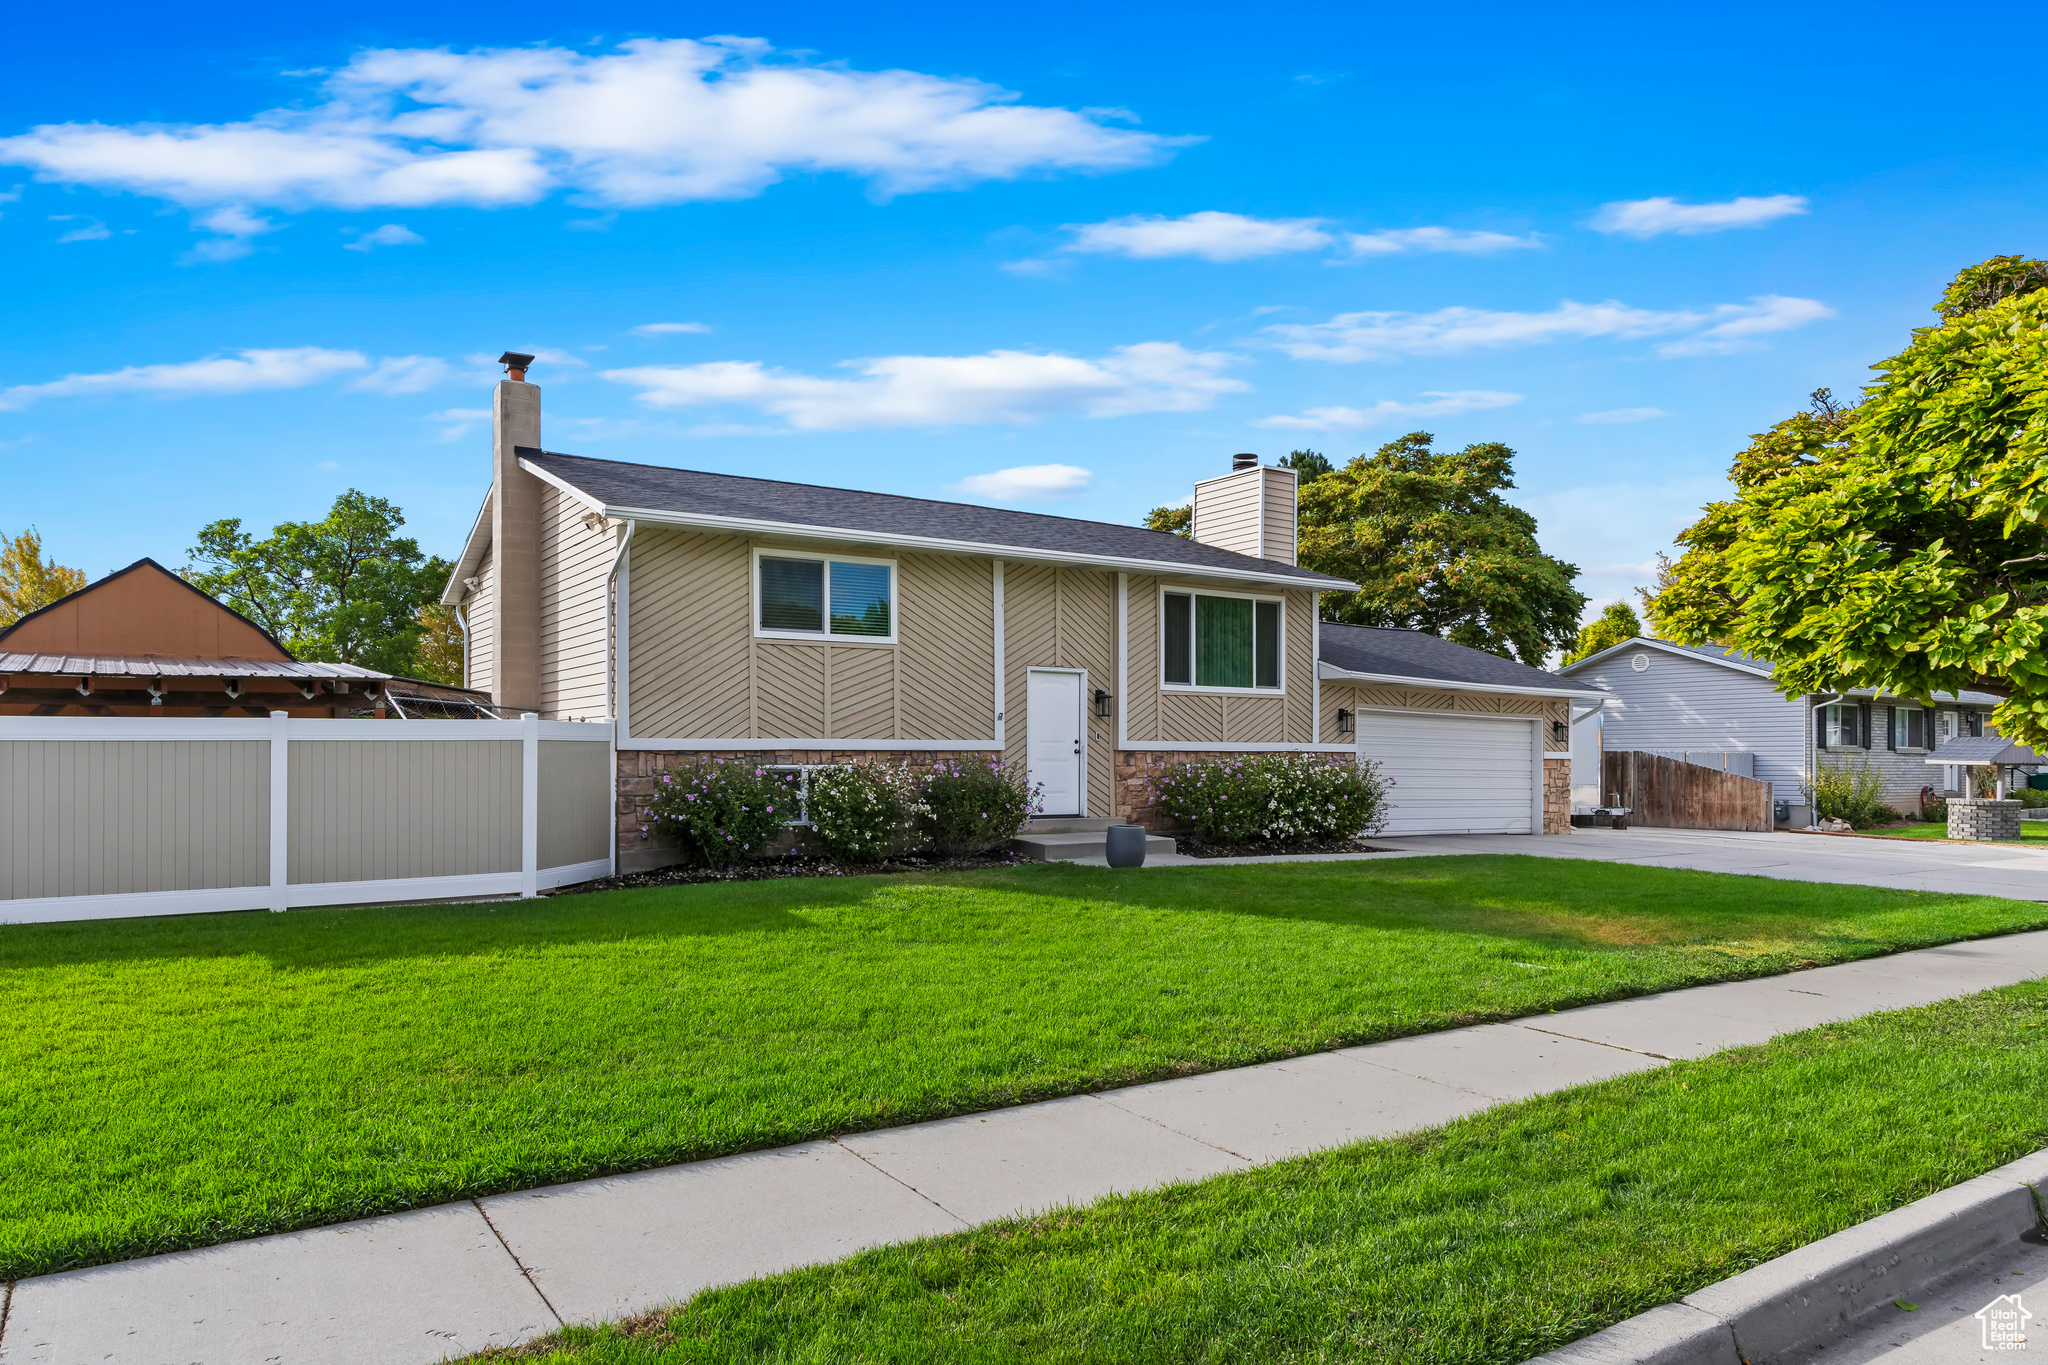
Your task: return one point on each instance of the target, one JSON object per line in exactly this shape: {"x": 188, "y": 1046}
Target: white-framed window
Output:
{"x": 1222, "y": 641}
{"x": 1841, "y": 726}
{"x": 799, "y": 595}
{"x": 1909, "y": 728}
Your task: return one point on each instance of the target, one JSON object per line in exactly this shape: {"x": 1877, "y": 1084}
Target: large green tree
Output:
{"x": 29, "y": 582}
{"x": 346, "y": 588}
{"x": 1900, "y": 544}
{"x": 1437, "y": 548}
{"x": 1614, "y": 626}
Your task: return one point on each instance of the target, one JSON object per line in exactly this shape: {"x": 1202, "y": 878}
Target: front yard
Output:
{"x": 2031, "y": 831}
{"x": 176, "y": 1082}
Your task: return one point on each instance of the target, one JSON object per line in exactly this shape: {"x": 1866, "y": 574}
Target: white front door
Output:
{"x": 1052, "y": 740}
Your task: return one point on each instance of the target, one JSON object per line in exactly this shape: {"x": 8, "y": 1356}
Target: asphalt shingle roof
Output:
{"x": 660, "y": 489}
{"x": 1412, "y": 654}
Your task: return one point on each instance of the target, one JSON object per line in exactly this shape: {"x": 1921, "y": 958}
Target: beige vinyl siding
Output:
{"x": 406, "y": 808}
{"x": 575, "y": 562}
{"x": 1279, "y": 514}
{"x": 1227, "y": 512}
{"x": 476, "y": 610}
{"x": 1061, "y": 618}
{"x": 1157, "y": 715}
{"x": 699, "y": 671}
{"x": 575, "y": 802}
{"x": 1141, "y": 663}
{"x": 1355, "y": 696}
{"x": 100, "y": 817}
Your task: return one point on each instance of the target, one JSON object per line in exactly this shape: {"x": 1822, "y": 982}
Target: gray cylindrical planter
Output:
{"x": 1124, "y": 845}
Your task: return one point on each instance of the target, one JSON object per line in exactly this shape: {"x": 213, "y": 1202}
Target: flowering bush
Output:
{"x": 1274, "y": 800}
{"x": 861, "y": 812}
{"x": 1852, "y": 792}
{"x": 723, "y": 811}
{"x": 972, "y": 805}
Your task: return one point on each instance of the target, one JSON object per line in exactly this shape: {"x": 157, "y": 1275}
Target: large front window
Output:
{"x": 821, "y": 596}
{"x": 1841, "y": 726}
{"x": 1210, "y": 640}
{"x": 1909, "y": 728}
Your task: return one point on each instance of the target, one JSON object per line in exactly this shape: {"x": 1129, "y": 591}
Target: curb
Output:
{"x": 1805, "y": 1297}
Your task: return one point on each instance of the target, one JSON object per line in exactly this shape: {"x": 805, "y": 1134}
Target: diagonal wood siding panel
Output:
{"x": 946, "y": 634}
{"x": 98, "y": 817}
{"x": 1191, "y": 718}
{"x": 863, "y": 693}
{"x": 403, "y": 808}
{"x": 575, "y": 561}
{"x": 1301, "y": 668}
{"x": 789, "y": 684}
{"x": 1087, "y": 639}
{"x": 1255, "y": 720}
{"x": 1141, "y": 705}
{"x": 690, "y": 601}
{"x": 1030, "y": 637}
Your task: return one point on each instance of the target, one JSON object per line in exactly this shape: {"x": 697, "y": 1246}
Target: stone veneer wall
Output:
{"x": 638, "y": 768}
{"x": 1977, "y": 818}
{"x": 1557, "y": 795}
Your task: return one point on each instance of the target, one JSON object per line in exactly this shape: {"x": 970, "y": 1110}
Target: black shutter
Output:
{"x": 1976, "y": 724}
{"x": 1820, "y": 727}
{"x": 1891, "y": 728}
{"x": 1863, "y": 724}
{"x": 1916, "y": 729}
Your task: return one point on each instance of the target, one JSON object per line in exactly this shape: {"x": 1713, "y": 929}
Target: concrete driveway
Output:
{"x": 1901, "y": 864}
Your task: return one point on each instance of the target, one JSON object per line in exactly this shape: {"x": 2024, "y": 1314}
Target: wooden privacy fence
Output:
{"x": 103, "y": 817}
{"x": 1668, "y": 793}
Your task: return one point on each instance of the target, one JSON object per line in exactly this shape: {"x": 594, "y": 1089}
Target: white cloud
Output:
{"x": 1397, "y": 240}
{"x": 93, "y": 231}
{"x": 243, "y": 372}
{"x": 928, "y": 390}
{"x": 1435, "y": 404}
{"x": 459, "y": 415}
{"x": 663, "y": 329}
{"x": 236, "y": 227}
{"x": 1210, "y": 235}
{"x": 1655, "y": 217}
{"x": 406, "y": 374}
{"x": 1028, "y": 482}
{"x": 657, "y": 121}
{"x": 1382, "y": 336}
{"x": 391, "y": 234}
{"x": 1616, "y": 416}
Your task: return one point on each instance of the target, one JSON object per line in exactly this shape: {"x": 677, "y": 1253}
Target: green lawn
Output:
{"x": 175, "y": 1082}
{"x": 1486, "y": 1241}
{"x": 2030, "y": 831}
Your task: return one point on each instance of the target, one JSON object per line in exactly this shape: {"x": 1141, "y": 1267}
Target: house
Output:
{"x": 144, "y": 642}
{"x": 1721, "y": 707}
{"x": 723, "y": 614}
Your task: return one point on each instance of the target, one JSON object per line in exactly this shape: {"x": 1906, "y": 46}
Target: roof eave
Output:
{"x": 706, "y": 521}
{"x": 1326, "y": 669}
{"x": 1675, "y": 651}
{"x": 472, "y": 554}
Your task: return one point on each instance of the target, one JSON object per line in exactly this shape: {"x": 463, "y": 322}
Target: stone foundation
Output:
{"x": 641, "y": 851}
{"x": 1979, "y": 818}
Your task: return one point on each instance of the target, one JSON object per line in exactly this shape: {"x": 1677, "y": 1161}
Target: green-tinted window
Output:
{"x": 860, "y": 599}
{"x": 1179, "y": 641}
{"x": 792, "y": 594}
{"x": 1266, "y": 633}
{"x": 1223, "y": 642}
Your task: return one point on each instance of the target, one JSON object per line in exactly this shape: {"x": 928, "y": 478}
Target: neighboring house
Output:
{"x": 1721, "y": 707}
{"x": 719, "y": 614}
{"x": 144, "y": 642}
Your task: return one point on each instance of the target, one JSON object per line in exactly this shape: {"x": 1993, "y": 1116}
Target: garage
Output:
{"x": 1452, "y": 774}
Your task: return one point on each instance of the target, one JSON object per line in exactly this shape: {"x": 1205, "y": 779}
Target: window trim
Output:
{"x": 826, "y": 636}
{"x": 1902, "y": 728}
{"x": 1194, "y": 665}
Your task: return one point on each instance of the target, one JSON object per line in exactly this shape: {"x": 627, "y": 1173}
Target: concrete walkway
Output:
{"x": 418, "y": 1286}
{"x": 1901, "y": 864}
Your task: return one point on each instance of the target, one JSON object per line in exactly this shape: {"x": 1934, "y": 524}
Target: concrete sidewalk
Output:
{"x": 1898, "y": 864}
{"x": 415, "y": 1287}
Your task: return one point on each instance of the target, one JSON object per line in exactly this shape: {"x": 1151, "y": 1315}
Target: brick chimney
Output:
{"x": 515, "y": 537}
{"x": 1249, "y": 511}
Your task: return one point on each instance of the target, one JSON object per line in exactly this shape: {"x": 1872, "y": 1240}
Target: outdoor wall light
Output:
{"x": 1560, "y": 731}
{"x": 1104, "y": 704}
{"x": 1347, "y": 723}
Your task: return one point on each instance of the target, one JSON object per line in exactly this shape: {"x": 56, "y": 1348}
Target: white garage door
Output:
{"x": 1452, "y": 774}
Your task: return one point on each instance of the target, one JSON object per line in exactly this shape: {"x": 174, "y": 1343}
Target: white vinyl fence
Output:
{"x": 103, "y": 817}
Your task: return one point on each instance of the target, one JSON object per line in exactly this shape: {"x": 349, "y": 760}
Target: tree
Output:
{"x": 344, "y": 588}
{"x": 1614, "y": 626}
{"x": 1178, "y": 520}
{"x": 1437, "y": 549}
{"x": 1898, "y": 544}
{"x": 1308, "y": 465}
{"x": 28, "y": 582}
{"x": 438, "y": 656}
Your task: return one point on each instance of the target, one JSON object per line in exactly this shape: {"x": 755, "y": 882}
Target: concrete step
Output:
{"x": 1074, "y": 845}
{"x": 1066, "y": 824}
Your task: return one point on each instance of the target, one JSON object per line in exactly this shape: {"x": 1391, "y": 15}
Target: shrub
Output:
{"x": 861, "y": 812}
{"x": 972, "y": 805}
{"x": 721, "y": 812}
{"x": 2028, "y": 798}
{"x": 1935, "y": 811}
{"x": 1274, "y": 800}
{"x": 1852, "y": 792}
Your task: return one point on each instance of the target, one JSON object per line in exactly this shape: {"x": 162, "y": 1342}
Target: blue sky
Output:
{"x": 1063, "y": 257}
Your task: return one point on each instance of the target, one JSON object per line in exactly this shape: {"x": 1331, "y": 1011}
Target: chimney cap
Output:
{"x": 516, "y": 363}
{"x": 1243, "y": 460}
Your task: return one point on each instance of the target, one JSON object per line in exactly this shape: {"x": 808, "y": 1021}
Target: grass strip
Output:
{"x": 1482, "y": 1242}
{"x": 2031, "y": 831}
{"x": 188, "y": 1080}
